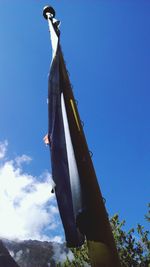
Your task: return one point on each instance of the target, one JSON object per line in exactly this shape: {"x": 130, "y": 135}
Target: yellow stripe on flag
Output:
{"x": 75, "y": 114}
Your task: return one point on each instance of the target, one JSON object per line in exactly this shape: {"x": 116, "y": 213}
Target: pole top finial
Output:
{"x": 48, "y": 10}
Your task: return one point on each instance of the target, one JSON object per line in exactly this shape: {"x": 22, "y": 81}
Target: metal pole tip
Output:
{"x": 48, "y": 10}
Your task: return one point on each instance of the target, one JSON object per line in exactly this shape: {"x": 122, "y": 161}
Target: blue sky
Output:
{"x": 106, "y": 48}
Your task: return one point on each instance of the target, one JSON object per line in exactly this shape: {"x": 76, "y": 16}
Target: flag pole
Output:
{"x": 101, "y": 247}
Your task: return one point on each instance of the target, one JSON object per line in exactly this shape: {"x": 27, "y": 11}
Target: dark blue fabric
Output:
{"x": 60, "y": 170}
{"x": 5, "y": 258}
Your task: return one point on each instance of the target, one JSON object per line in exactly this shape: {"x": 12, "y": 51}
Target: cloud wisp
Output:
{"x": 3, "y": 149}
{"x": 27, "y": 207}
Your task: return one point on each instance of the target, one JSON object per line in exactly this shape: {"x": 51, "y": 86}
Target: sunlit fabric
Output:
{"x": 64, "y": 167}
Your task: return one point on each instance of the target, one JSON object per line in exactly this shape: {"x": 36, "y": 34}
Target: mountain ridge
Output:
{"x": 34, "y": 253}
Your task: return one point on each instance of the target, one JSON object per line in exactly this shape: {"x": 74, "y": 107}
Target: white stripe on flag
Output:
{"x": 73, "y": 170}
{"x": 54, "y": 39}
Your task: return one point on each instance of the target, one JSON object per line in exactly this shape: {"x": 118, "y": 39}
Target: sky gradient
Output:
{"x": 106, "y": 45}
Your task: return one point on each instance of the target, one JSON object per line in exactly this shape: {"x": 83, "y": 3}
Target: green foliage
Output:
{"x": 133, "y": 246}
{"x": 80, "y": 258}
{"x": 81, "y": 255}
{"x": 147, "y": 216}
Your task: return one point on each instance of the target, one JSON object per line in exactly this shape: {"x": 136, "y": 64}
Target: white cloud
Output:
{"x": 18, "y": 255}
{"x": 22, "y": 159}
{"x": 60, "y": 256}
{"x": 3, "y": 148}
{"x": 57, "y": 239}
{"x": 27, "y": 207}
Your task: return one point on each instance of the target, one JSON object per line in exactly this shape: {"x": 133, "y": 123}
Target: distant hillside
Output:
{"x": 32, "y": 253}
